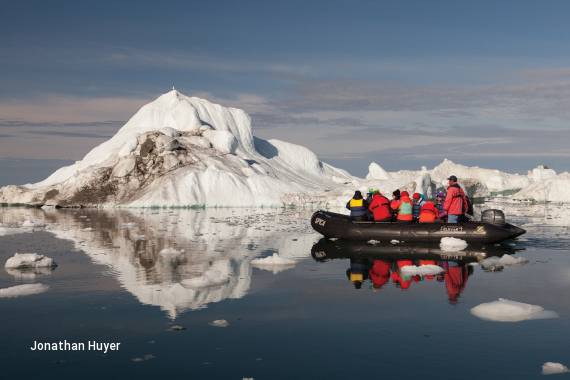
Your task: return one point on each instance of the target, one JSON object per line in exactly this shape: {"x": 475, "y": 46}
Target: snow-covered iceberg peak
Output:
{"x": 186, "y": 151}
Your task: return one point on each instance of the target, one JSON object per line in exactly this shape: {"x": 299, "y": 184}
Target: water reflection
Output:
{"x": 405, "y": 265}
{"x": 177, "y": 260}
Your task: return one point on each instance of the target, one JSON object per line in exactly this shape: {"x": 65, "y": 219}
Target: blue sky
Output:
{"x": 403, "y": 83}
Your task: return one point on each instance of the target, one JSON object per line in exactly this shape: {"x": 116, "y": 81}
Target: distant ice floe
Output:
{"x": 504, "y": 310}
{"x": 551, "y": 368}
{"x": 451, "y": 244}
{"x": 423, "y": 270}
{"x": 23, "y": 290}
{"x": 497, "y": 263}
{"x": 33, "y": 224}
{"x": 29, "y": 260}
{"x": 274, "y": 263}
{"x": 219, "y": 323}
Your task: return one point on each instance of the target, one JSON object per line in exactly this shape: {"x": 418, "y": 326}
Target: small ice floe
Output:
{"x": 394, "y": 241}
{"x": 23, "y": 290}
{"x": 373, "y": 242}
{"x": 143, "y": 358}
{"x": 504, "y": 310}
{"x": 273, "y": 260}
{"x": 219, "y": 323}
{"x": 33, "y": 224}
{"x": 451, "y": 244}
{"x": 495, "y": 263}
{"x": 29, "y": 260}
{"x": 274, "y": 263}
{"x": 551, "y": 368}
{"x": 423, "y": 270}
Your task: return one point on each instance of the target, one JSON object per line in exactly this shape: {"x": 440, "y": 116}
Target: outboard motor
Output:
{"x": 493, "y": 216}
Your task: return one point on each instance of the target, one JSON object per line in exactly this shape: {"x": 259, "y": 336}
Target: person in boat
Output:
{"x": 439, "y": 200}
{"x": 358, "y": 207}
{"x": 428, "y": 213}
{"x": 455, "y": 204}
{"x": 380, "y": 208}
{"x": 403, "y": 208}
{"x": 419, "y": 201}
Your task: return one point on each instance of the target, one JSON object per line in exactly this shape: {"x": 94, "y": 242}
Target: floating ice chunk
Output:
{"x": 219, "y": 323}
{"x": 451, "y": 244}
{"x": 496, "y": 263}
{"x": 23, "y": 290}
{"x": 273, "y": 260}
{"x": 504, "y": 310}
{"x": 29, "y": 260}
{"x": 423, "y": 270}
{"x": 551, "y": 368}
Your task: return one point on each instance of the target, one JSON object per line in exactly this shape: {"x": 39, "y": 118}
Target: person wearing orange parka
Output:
{"x": 428, "y": 213}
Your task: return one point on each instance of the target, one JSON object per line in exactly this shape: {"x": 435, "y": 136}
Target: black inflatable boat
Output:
{"x": 491, "y": 229}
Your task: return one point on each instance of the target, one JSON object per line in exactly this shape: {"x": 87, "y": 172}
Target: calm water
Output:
{"x": 306, "y": 320}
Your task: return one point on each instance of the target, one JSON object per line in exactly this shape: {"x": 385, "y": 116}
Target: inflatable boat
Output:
{"x": 491, "y": 229}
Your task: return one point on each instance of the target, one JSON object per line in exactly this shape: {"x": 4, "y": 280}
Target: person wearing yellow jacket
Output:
{"x": 358, "y": 207}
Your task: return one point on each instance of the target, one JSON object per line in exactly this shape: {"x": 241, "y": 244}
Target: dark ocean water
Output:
{"x": 303, "y": 321}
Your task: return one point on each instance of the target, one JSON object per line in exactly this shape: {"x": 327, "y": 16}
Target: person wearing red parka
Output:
{"x": 455, "y": 204}
{"x": 380, "y": 208}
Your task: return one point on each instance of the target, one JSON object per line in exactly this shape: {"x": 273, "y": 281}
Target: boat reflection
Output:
{"x": 405, "y": 265}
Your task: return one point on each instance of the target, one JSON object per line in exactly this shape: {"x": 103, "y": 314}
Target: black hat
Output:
{"x": 452, "y": 178}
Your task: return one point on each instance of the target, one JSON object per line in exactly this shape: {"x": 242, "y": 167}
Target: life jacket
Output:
{"x": 357, "y": 207}
{"x": 379, "y": 273}
{"x": 428, "y": 213}
{"x": 405, "y": 209}
{"x": 380, "y": 207}
{"x": 456, "y": 202}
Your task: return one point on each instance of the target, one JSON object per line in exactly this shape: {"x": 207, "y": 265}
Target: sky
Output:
{"x": 401, "y": 83}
